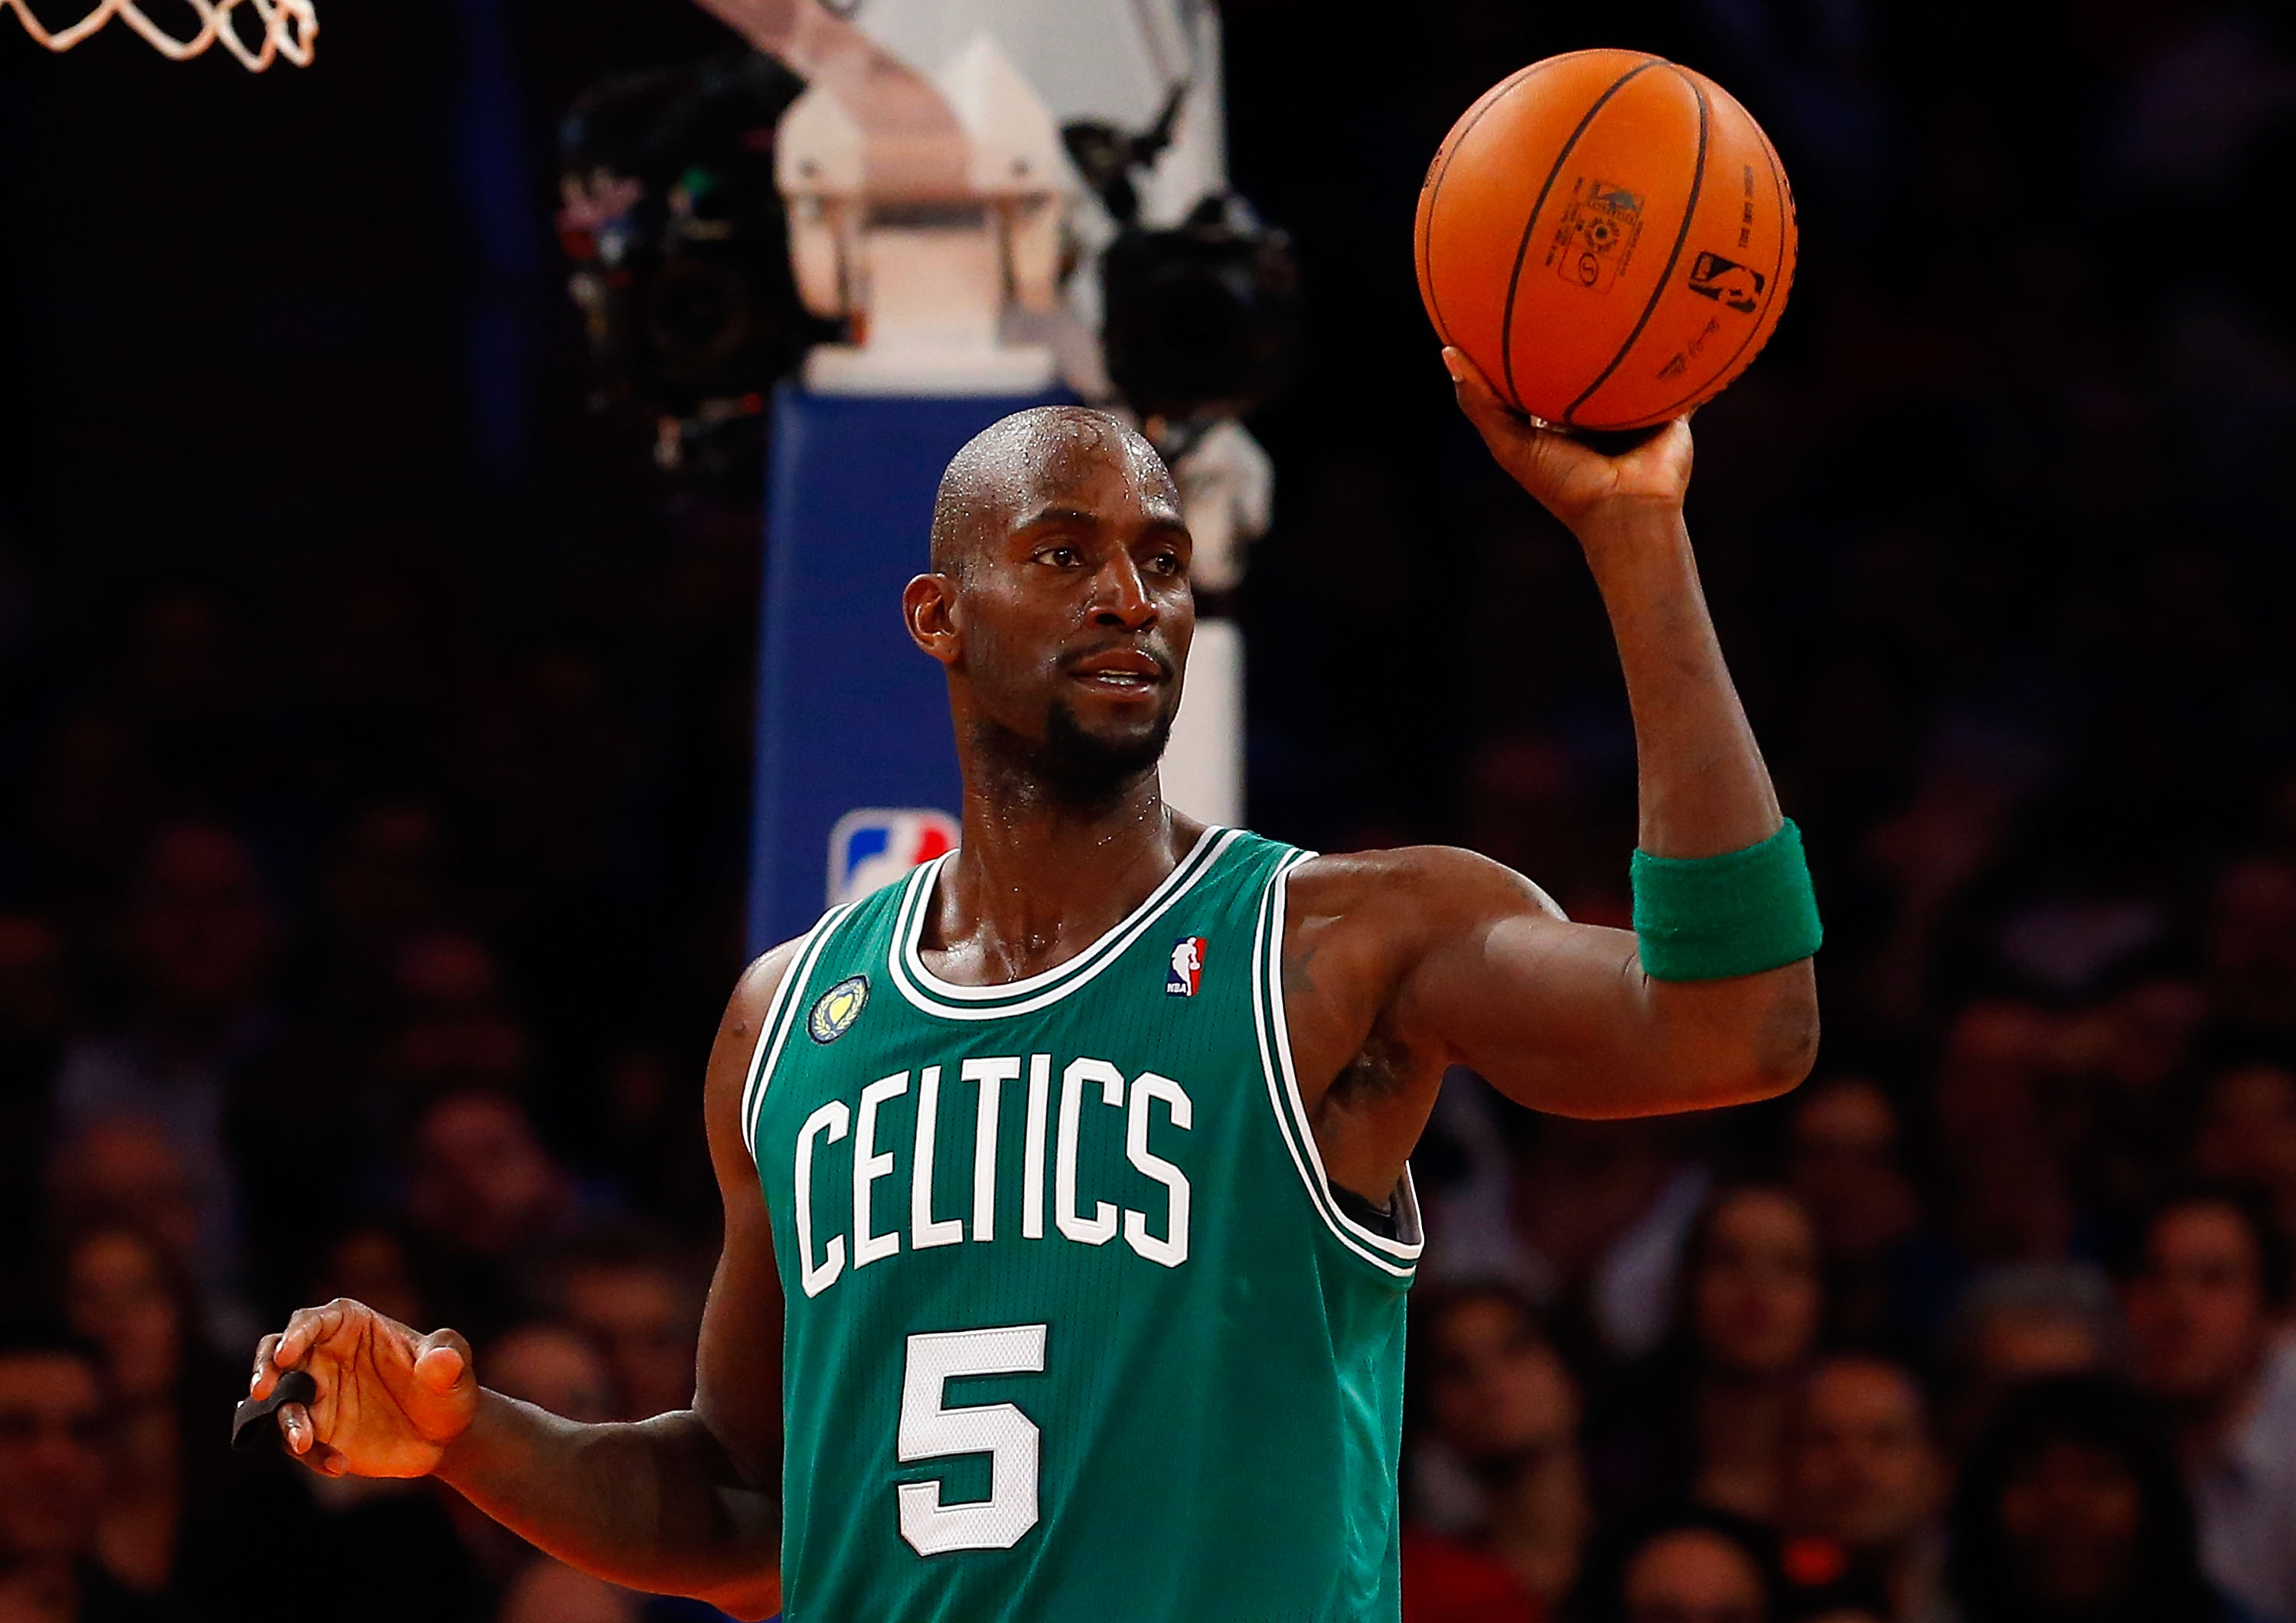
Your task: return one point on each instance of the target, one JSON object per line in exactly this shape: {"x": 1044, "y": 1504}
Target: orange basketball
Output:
{"x": 1609, "y": 237}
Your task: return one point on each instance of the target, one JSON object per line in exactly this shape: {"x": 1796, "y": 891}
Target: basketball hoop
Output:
{"x": 288, "y": 28}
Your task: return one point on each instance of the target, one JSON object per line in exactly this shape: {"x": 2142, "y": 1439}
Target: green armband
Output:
{"x": 1701, "y": 918}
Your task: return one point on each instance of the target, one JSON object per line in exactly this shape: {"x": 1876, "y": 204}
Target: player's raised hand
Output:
{"x": 389, "y": 1400}
{"x": 1571, "y": 479}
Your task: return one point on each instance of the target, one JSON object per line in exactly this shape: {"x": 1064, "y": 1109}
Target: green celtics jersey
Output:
{"x": 1077, "y": 1331}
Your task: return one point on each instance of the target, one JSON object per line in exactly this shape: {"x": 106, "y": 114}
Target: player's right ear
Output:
{"x": 929, "y": 607}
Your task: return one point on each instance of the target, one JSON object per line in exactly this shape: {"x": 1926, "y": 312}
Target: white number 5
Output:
{"x": 928, "y": 1431}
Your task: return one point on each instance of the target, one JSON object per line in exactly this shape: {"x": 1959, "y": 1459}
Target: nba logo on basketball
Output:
{"x": 873, "y": 846}
{"x": 1187, "y": 971}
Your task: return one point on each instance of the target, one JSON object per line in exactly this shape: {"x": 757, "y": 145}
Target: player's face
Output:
{"x": 1077, "y": 614}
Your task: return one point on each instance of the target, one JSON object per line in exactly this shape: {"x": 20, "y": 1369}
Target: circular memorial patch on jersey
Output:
{"x": 835, "y": 1010}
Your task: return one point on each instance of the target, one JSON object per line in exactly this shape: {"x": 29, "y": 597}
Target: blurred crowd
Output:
{"x": 234, "y": 1136}
{"x": 363, "y": 917}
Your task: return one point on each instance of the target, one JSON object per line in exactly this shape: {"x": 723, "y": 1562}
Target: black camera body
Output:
{"x": 679, "y": 253}
{"x": 1200, "y": 320}
{"x": 680, "y": 266}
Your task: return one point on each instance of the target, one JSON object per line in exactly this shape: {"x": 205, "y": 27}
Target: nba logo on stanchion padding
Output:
{"x": 1187, "y": 971}
{"x": 873, "y": 846}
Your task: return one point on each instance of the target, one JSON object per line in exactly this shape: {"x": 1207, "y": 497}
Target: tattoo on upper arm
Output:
{"x": 1787, "y": 1042}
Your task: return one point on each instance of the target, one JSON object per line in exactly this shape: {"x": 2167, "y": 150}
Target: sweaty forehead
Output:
{"x": 1070, "y": 453}
{"x": 1048, "y": 456}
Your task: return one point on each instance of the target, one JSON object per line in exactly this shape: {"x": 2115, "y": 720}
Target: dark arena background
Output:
{"x": 379, "y": 664}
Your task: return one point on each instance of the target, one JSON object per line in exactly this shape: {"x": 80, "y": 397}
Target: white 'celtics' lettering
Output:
{"x": 1152, "y": 1111}
{"x": 922, "y": 1230}
{"x": 832, "y": 1118}
{"x": 1100, "y": 1228}
{"x": 1172, "y": 1250}
{"x": 868, "y": 1166}
{"x": 991, "y": 1076}
{"x": 1032, "y": 1155}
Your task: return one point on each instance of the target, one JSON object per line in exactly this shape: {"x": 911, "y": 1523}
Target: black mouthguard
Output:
{"x": 256, "y": 1422}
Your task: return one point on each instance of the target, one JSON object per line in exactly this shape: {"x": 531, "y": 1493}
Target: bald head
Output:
{"x": 1059, "y": 602}
{"x": 1028, "y": 457}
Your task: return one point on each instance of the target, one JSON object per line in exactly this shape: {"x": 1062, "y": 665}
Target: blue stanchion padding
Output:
{"x": 852, "y": 719}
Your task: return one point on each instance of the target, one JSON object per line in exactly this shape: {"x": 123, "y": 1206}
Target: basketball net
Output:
{"x": 288, "y": 28}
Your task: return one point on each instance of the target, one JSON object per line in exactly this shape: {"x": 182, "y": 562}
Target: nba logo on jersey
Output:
{"x": 873, "y": 846}
{"x": 1187, "y": 971}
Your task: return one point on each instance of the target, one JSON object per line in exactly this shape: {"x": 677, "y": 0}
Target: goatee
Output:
{"x": 1070, "y": 766}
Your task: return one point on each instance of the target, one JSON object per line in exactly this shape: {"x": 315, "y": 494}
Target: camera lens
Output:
{"x": 1202, "y": 319}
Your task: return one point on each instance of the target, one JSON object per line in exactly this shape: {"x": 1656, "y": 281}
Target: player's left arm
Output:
{"x": 1421, "y": 959}
{"x": 1431, "y": 957}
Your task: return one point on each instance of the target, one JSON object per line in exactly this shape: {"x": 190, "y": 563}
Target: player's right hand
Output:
{"x": 389, "y": 1400}
{"x": 1571, "y": 479}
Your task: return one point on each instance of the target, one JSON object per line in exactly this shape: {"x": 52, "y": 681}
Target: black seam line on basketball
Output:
{"x": 1426, "y": 247}
{"x": 1689, "y": 212}
{"x": 1523, "y": 249}
{"x": 1491, "y": 99}
{"x": 1785, "y": 208}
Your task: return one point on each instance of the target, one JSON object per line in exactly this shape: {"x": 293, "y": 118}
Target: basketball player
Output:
{"x": 1068, "y": 1221}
